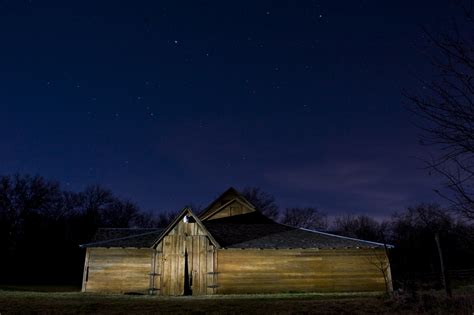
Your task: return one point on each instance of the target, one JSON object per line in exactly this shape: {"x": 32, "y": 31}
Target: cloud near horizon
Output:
{"x": 368, "y": 187}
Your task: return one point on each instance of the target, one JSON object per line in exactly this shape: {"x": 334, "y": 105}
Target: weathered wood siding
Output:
{"x": 157, "y": 270}
{"x": 234, "y": 208}
{"x": 186, "y": 241}
{"x": 269, "y": 271}
{"x": 226, "y": 197}
{"x": 118, "y": 270}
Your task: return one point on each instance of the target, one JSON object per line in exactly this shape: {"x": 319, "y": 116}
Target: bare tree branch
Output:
{"x": 445, "y": 108}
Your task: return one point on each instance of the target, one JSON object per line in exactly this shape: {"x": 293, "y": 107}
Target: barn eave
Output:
{"x": 374, "y": 244}
{"x": 140, "y": 240}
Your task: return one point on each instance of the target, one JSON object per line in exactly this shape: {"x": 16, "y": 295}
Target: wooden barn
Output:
{"x": 231, "y": 248}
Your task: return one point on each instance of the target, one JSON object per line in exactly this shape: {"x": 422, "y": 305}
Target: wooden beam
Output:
{"x": 85, "y": 274}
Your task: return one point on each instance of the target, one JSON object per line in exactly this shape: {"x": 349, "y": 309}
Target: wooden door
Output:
{"x": 173, "y": 265}
{"x": 188, "y": 265}
{"x": 197, "y": 248}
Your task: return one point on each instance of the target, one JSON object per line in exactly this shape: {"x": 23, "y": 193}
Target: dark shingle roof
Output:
{"x": 112, "y": 237}
{"x": 251, "y": 230}
{"x": 261, "y": 232}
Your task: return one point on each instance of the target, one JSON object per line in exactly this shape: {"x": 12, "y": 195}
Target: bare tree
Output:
{"x": 309, "y": 218}
{"x": 120, "y": 214}
{"x": 379, "y": 259}
{"x": 361, "y": 226}
{"x": 21, "y": 198}
{"x": 263, "y": 201}
{"x": 446, "y": 110}
{"x": 96, "y": 198}
{"x": 425, "y": 233}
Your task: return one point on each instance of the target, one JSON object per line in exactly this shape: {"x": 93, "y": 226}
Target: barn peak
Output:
{"x": 187, "y": 224}
{"x": 229, "y": 203}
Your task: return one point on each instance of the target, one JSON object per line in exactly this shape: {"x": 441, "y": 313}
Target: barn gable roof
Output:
{"x": 248, "y": 230}
{"x": 211, "y": 213}
{"x": 186, "y": 212}
{"x": 227, "y": 196}
{"x": 232, "y": 232}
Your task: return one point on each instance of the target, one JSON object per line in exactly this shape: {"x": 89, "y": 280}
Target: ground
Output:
{"x": 17, "y": 300}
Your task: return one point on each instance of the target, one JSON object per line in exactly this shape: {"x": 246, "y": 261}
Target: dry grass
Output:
{"x": 76, "y": 302}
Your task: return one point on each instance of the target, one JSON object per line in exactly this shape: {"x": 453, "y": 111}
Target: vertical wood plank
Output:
{"x": 202, "y": 264}
{"x": 216, "y": 271}
{"x": 173, "y": 263}
{"x": 196, "y": 280}
{"x": 210, "y": 270}
{"x": 165, "y": 287}
{"x": 159, "y": 268}
{"x": 181, "y": 239}
{"x": 86, "y": 271}
{"x": 195, "y": 265}
{"x": 152, "y": 274}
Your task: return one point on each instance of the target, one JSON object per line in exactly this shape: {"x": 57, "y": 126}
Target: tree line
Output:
{"x": 42, "y": 226}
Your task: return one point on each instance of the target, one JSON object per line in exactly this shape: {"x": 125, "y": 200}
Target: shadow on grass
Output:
{"x": 346, "y": 303}
{"x": 41, "y": 288}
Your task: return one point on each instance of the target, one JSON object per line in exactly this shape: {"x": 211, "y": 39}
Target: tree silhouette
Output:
{"x": 445, "y": 107}
{"x": 263, "y": 201}
{"x": 309, "y": 218}
{"x": 360, "y": 226}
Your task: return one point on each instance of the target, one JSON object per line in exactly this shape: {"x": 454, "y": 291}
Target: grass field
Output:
{"x": 13, "y": 300}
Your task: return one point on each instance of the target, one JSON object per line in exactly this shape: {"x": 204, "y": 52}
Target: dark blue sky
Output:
{"x": 170, "y": 102}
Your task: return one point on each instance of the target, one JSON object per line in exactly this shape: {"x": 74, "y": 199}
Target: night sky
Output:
{"x": 170, "y": 102}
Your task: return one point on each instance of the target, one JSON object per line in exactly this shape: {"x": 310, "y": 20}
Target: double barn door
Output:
{"x": 187, "y": 265}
